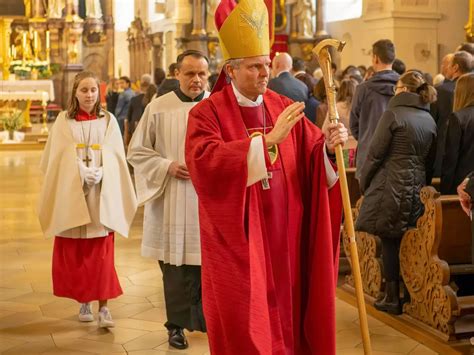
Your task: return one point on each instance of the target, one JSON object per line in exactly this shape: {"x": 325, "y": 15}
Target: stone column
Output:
{"x": 320, "y": 31}
{"x": 198, "y": 19}
{"x": 37, "y": 9}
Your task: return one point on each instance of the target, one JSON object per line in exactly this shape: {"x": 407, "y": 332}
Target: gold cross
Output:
{"x": 254, "y": 22}
{"x": 87, "y": 160}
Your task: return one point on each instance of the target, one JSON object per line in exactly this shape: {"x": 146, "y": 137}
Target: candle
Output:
{"x": 119, "y": 68}
{"x": 47, "y": 39}
{"x": 44, "y": 98}
{"x": 35, "y": 41}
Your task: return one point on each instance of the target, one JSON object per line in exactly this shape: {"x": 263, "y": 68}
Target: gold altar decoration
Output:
{"x": 469, "y": 26}
{"x": 5, "y": 51}
{"x": 280, "y": 16}
{"x": 369, "y": 250}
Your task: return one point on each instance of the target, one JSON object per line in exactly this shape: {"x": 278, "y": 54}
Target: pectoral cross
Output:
{"x": 266, "y": 181}
{"x": 86, "y": 147}
{"x": 87, "y": 160}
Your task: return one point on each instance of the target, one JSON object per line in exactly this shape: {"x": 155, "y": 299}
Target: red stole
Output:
{"x": 280, "y": 273}
{"x": 237, "y": 290}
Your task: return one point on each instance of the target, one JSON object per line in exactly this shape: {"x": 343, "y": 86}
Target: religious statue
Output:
{"x": 303, "y": 12}
{"x": 211, "y": 6}
{"x": 93, "y": 9}
{"x": 55, "y": 8}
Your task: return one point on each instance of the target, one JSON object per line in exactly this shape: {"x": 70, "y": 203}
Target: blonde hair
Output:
{"x": 73, "y": 106}
{"x": 415, "y": 82}
{"x": 463, "y": 93}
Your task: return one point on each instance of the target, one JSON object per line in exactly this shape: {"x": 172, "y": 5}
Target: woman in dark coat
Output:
{"x": 458, "y": 158}
{"x": 398, "y": 165}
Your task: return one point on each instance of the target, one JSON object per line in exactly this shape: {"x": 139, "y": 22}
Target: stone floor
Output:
{"x": 33, "y": 321}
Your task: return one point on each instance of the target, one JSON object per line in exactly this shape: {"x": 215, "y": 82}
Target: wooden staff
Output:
{"x": 322, "y": 54}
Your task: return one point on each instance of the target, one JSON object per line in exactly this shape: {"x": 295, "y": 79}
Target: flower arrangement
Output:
{"x": 23, "y": 69}
{"x": 12, "y": 121}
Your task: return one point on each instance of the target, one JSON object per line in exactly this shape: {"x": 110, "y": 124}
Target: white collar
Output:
{"x": 244, "y": 101}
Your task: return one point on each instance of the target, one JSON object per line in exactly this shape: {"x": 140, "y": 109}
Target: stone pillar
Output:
{"x": 37, "y": 9}
{"x": 198, "y": 19}
{"x": 320, "y": 31}
{"x": 69, "y": 72}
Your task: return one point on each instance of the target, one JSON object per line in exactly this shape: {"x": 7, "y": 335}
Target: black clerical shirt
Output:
{"x": 185, "y": 98}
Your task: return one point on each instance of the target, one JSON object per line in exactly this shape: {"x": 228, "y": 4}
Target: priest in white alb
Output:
{"x": 171, "y": 222}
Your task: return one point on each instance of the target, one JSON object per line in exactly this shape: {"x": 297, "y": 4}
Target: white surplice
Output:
{"x": 171, "y": 221}
{"x": 87, "y": 134}
{"x": 66, "y": 206}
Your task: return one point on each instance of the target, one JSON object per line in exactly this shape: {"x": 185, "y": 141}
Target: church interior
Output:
{"x": 44, "y": 44}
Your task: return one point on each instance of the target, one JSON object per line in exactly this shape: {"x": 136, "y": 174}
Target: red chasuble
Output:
{"x": 269, "y": 257}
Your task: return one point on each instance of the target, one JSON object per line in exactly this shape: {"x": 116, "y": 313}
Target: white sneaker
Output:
{"x": 105, "y": 318}
{"x": 85, "y": 313}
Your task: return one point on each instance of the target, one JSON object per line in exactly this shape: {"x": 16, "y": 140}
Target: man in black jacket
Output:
{"x": 283, "y": 82}
{"x": 371, "y": 98}
{"x": 459, "y": 64}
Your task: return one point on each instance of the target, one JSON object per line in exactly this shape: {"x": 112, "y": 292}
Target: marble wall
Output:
{"x": 423, "y": 31}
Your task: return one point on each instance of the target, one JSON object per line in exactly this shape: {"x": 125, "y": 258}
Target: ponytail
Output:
{"x": 427, "y": 92}
{"x": 415, "y": 83}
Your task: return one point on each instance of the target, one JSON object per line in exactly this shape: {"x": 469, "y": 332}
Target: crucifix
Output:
{"x": 87, "y": 160}
{"x": 266, "y": 181}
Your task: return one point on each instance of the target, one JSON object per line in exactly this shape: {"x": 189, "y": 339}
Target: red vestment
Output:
{"x": 83, "y": 269}
{"x": 248, "y": 270}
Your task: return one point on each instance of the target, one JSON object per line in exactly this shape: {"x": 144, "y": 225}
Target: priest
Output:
{"x": 269, "y": 203}
{"x": 171, "y": 224}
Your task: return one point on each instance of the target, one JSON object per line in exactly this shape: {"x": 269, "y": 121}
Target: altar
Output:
{"x": 15, "y": 91}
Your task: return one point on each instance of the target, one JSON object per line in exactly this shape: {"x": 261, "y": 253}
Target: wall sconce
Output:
{"x": 366, "y": 51}
{"x": 425, "y": 53}
{"x": 422, "y": 51}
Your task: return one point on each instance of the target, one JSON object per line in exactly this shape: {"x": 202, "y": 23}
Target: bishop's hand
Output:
{"x": 178, "y": 171}
{"x": 285, "y": 122}
{"x": 335, "y": 134}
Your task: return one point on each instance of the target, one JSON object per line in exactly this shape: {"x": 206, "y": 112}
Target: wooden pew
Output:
{"x": 353, "y": 185}
{"x": 432, "y": 255}
{"x": 369, "y": 249}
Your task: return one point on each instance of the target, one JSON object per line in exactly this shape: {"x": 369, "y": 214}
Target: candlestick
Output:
{"x": 35, "y": 44}
{"x": 47, "y": 39}
{"x": 24, "y": 45}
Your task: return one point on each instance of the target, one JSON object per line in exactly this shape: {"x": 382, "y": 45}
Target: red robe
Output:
{"x": 83, "y": 269}
{"x": 239, "y": 296}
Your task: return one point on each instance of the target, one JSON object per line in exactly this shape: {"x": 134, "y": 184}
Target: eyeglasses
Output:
{"x": 397, "y": 87}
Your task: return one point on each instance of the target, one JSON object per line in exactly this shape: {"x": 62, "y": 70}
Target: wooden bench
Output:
{"x": 436, "y": 263}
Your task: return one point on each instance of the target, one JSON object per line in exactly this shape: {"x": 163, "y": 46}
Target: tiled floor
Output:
{"x": 33, "y": 321}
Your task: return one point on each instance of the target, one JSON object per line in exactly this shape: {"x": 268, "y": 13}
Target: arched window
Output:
{"x": 338, "y": 10}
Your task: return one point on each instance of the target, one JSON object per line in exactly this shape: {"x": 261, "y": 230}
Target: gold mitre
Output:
{"x": 244, "y": 33}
